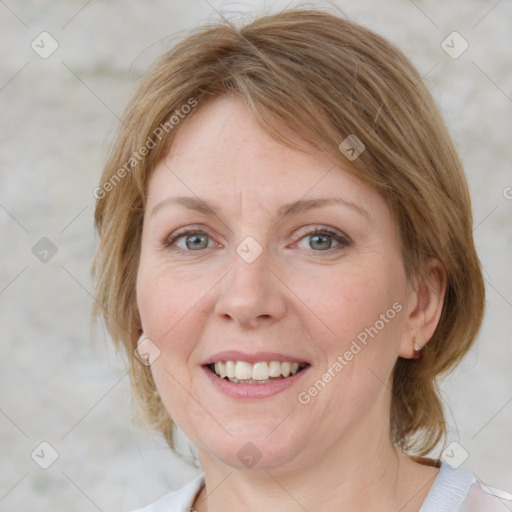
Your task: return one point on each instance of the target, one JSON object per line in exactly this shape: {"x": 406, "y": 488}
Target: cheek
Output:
{"x": 358, "y": 322}
{"x": 164, "y": 298}
{"x": 362, "y": 321}
{"x": 168, "y": 307}
{"x": 350, "y": 302}
{"x": 164, "y": 307}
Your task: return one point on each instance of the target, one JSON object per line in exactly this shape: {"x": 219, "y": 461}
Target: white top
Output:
{"x": 453, "y": 490}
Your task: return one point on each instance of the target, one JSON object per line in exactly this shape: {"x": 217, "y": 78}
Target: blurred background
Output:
{"x": 67, "y": 71}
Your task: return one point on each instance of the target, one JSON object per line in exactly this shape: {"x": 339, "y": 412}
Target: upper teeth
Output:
{"x": 242, "y": 370}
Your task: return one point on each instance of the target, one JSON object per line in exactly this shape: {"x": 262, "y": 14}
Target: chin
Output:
{"x": 254, "y": 449}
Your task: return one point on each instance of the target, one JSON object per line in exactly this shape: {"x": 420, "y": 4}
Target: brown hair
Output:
{"x": 326, "y": 78}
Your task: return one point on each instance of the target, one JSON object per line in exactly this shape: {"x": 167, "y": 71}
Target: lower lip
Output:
{"x": 252, "y": 391}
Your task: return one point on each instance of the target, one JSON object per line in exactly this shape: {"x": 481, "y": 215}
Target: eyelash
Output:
{"x": 343, "y": 240}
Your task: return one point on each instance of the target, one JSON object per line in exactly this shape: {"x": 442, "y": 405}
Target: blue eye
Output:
{"x": 194, "y": 240}
{"x": 322, "y": 239}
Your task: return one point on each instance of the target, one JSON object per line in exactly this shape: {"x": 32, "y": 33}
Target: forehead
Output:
{"x": 223, "y": 134}
{"x": 222, "y": 151}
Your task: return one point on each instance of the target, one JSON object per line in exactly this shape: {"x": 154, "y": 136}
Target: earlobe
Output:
{"x": 426, "y": 304}
{"x": 417, "y": 351}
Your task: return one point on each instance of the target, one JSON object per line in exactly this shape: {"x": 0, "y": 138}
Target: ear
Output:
{"x": 424, "y": 307}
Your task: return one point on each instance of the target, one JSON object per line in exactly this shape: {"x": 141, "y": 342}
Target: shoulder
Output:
{"x": 177, "y": 501}
{"x": 455, "y": 490}
{"x": 482, "y": 498}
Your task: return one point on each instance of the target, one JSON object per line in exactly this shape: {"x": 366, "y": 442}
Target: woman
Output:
{"x": 286, "y": 255}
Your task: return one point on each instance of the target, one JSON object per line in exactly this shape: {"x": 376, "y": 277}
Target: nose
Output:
{"x": 251, "y": 294}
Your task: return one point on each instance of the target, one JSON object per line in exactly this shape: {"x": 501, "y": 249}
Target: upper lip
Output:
{"x": 235, "y": 355}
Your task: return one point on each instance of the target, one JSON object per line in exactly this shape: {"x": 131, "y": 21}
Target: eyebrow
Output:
{"x": 286, "y": 210}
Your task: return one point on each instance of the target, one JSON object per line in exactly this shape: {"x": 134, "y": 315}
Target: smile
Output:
{"x": 261, "y": 372}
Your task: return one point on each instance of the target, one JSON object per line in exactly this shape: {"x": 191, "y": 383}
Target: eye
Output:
{"x": 193, "y": 240}
{"x": 321, "y": 240}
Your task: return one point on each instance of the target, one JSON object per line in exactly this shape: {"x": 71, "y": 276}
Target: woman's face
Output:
{"x": 253, "y": 283}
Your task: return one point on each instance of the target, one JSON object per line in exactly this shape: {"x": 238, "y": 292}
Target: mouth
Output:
{"x": 261, "y": 372}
